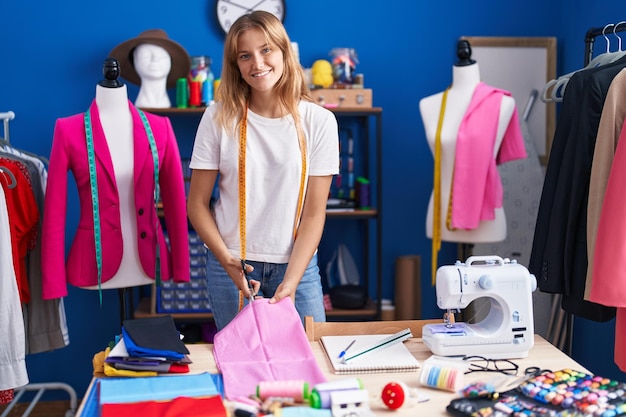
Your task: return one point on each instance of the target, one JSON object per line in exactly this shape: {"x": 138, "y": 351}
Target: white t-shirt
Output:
{"x": 273, "y": 169}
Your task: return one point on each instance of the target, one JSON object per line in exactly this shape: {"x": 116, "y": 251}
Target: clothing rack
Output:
{"x": 593, "y": 33}
{"x": 38, "y": 388}
{"x": 563, "y": 335}
{"x": 6, "y": 118}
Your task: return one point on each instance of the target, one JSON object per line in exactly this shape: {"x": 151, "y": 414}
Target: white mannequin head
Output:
{"x": 152, "y": 62}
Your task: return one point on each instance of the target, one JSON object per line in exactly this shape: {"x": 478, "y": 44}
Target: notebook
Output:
{"x": 392, "y": 357}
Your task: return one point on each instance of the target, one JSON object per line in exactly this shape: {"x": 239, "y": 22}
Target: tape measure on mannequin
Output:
{"x": 95, "y": 203}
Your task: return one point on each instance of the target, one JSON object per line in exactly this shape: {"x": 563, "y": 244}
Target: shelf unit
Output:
{"x": 369, "y": 120}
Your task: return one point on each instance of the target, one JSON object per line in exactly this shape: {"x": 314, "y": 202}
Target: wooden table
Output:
{"x": 543, "y": 355}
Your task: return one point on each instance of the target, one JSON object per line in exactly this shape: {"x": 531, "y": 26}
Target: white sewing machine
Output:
{"x": 507, "y": 329}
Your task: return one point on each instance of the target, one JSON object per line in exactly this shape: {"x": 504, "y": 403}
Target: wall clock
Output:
{"x": 228, "y": 11}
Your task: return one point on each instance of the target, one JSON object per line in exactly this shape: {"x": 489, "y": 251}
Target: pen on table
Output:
{"x": 343, "y": 352}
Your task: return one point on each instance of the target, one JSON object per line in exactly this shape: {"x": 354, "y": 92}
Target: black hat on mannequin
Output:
{"x": 181, "y": 62}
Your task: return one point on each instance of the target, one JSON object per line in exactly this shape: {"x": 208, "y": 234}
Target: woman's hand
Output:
{"x": 235, "y": 272}
{"x": 284, "y": 290}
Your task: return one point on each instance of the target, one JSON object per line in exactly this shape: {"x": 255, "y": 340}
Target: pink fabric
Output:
{"x": 608, "y": 283}
{"x": 477, "y": 188}
{"x": 264, "y": 342}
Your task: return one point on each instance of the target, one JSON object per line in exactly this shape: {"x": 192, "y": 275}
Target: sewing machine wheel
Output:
{"x": 485, "y": 311}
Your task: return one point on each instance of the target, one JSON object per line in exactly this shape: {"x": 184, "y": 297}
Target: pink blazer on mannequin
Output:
{"x": 69, "y": 153}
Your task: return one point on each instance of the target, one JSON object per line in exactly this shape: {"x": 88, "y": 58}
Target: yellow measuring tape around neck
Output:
{"x": 243, "y": 126}
{"x": 436, "y": 243}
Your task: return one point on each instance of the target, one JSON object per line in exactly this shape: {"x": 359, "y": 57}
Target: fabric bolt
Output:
{"x": 477, "y": 188}
{"x": 252, "y": 348}
{"x": 69, "y": 152}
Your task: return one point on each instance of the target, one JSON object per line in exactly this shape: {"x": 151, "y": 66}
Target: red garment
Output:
{"x": 178, "y": 407}
{"x": 23, "y": 221}
{"x": 7, "y": 396}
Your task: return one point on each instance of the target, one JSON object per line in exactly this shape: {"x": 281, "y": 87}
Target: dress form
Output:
{"x": 465, "y": 78}
{"x": 117, "y": 124}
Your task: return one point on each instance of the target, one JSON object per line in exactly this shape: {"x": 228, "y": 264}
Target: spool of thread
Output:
{"x": 320, "y": 396}
{"x": 363, "y": 193}
{"x": 296, "y": 389}
{"x": 195, "y": 92}
{"x": 216, "y": 85}
{"x": 443, "y": 375}
{"x": 182, "y": 93}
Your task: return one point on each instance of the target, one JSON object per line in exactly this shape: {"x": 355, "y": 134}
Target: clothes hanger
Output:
{"x": 601, "y": 59}
{"x": 619, "y": 53}
{"x": 8, "y": 173}
{"x": 558, "y": 85}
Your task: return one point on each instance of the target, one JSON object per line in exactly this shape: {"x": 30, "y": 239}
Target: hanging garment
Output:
{"x": 477, "y": 188}
{"x": 69, "y": 152}
{"x": 609, "y": 134}
{"x": 559, "y": 255}
{"x": 252, "y": 348}
{"x": 13, "y": 372}
{"x": 608, "y": 285}
{"x": 24, "y": 218}
{"x": 46, "y": 325}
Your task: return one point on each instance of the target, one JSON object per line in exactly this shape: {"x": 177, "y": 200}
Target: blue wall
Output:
{"x": 53, "y": 54}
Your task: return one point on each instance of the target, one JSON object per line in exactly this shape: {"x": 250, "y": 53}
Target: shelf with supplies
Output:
{"x": 365, "y": 124}
{"x": 146, "y": 308}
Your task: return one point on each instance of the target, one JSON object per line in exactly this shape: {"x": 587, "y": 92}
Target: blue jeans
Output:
{"x": 224, "y": 295}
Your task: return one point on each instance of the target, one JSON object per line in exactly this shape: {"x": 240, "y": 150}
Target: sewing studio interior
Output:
{"x": 322, "y": 209}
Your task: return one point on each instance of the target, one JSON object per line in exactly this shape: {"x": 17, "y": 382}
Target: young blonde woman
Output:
{"x": 272, "y": 152}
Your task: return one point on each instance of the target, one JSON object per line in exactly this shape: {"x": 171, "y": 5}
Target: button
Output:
{"x": 143, "y": 235}
{"x": 141, "y": 212}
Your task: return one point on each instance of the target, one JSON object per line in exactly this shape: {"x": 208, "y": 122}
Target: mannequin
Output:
{"x": 153, "y": 64}
{"x": 117, "y": 123}
{"x": 128, "y": 248}
{"x": 465, "y": 78}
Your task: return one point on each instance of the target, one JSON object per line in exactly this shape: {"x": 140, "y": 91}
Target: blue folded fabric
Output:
{"x": 159, "y": 388}
{"x": 137, "y": 351}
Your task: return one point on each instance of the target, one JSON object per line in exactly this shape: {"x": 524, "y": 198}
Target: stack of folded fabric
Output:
{"x": 180, "y": 395}
{"x": 146, "y": 347}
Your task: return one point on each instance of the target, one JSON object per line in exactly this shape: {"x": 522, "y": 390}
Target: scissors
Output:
{"x": 245, "y": 274}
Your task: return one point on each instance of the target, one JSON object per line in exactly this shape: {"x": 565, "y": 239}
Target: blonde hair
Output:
{"x": 234, "y": 92}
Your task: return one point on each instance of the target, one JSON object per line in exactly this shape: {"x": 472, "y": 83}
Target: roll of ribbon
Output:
{"x": 442, "y": 374}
